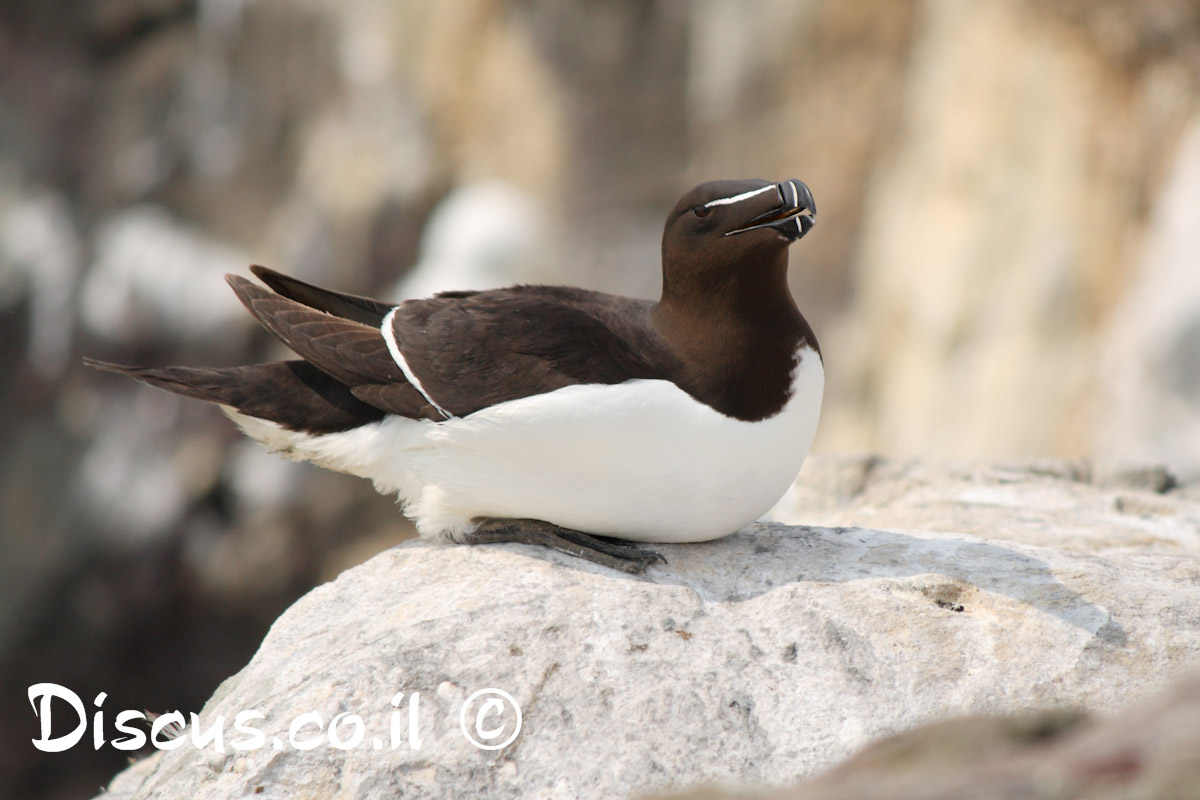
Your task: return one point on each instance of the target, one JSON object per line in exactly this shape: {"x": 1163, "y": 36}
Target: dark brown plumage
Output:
{"x": 295, "y": 394}
{"x": 726, "y": 331}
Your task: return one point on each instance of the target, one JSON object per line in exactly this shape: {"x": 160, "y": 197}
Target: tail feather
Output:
{"x": 347, "y": 377}
{"x": 347, "y": 306}
{"x": 294, "y": 394}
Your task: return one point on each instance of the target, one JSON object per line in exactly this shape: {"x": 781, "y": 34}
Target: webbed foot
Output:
{"x": 615, "y": 553}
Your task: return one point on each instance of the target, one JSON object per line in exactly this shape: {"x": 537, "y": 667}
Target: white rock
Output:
{"x": 759, "y": 658}
{"x": 40, "y": 256}
{"x": 155, "y": 277}
{"x": 482, "y": 236}
{"x": 1079, "y": 506}
{"x": 131, "y": 481}
{"x": 1152, "y": 357}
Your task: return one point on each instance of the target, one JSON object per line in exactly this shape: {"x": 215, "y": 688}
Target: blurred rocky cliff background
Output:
{"x": 1006, "y": 261}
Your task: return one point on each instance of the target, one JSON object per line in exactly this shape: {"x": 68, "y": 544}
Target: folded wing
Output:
{"x": 467, "y": 350}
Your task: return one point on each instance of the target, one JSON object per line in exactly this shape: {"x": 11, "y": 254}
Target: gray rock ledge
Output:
{"x": 757, "y": 659}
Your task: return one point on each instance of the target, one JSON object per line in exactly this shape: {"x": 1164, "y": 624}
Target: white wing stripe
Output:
{"x": 389, "y": 336}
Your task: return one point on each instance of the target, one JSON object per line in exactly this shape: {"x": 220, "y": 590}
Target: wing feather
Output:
{"x": 475, "y": 351}
{"x": 351, "y": 352}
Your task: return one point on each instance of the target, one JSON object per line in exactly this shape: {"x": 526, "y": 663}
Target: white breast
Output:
{"x": 641, "y": 460}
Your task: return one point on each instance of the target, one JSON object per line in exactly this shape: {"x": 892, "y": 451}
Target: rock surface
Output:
{"x": 757, "y": 659}
{"x": 1081, "y": 506}
{"x": 1151, "y": 750}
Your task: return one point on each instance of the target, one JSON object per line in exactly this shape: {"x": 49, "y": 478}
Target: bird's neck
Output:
{"x": 739, "y": 335}
{"x": 754, "y": 296}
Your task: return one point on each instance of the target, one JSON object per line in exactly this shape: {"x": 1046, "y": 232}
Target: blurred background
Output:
{"x": 1006, "y": 262}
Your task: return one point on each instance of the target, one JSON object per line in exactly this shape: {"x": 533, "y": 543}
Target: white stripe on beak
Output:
{"x": 737, "y": 198}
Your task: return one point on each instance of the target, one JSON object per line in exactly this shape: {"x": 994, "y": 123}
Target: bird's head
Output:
{"x": 724, "y": 231}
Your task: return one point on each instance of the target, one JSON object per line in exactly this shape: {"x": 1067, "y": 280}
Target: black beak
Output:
{"x": 793, "y": 217}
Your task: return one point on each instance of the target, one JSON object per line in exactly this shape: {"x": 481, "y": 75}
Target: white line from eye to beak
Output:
{"x": 737, "y": 198}
{"x": 389, "y": 337}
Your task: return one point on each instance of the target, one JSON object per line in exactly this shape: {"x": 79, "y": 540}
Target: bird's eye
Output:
{"x": 701, "y": 211}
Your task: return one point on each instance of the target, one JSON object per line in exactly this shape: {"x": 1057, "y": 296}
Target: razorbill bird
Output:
{"x": 551, "y": 414}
